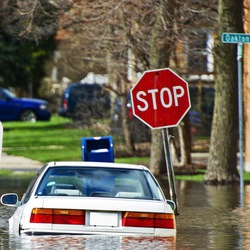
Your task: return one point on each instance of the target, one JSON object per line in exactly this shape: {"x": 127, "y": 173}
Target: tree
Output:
{"x": 101, "y": 33}
{"x": 113, "y": 33}
{"x": 160, "y": 58}
{"x": 104, "y": 32}
{"x": 26, "y": 30}
{"x": 178, "y": 20}
{"x": 222, "y": 162}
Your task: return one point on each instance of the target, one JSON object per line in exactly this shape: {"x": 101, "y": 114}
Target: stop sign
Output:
{"x": 160, "y": 98}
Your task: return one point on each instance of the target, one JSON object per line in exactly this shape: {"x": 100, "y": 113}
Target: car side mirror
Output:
{"x": 171, "y": 204}
{"x": 10, "y": 199}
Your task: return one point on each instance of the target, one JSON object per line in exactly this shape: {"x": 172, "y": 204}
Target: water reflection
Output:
{"x": 89, "y": 242}
{"x": 210, "y": 218}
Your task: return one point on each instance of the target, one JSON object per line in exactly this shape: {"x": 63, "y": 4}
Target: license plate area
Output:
{"x": 106, "y": 219}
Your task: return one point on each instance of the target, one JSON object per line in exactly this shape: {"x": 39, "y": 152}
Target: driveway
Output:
{"x": 18, "y": 163}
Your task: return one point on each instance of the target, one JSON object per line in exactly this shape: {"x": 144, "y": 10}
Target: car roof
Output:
{"x": 96, "y": 164}
{"x": 83, "y": 85}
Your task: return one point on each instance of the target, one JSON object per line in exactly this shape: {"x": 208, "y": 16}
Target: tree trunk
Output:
{"x": 246, "y": 83}
{"x": 181, "y": 144}
{"x": 157, "y": 161}
{"x": 222, "y": 162}
{"x": 185, "y": 142}
{"x": 130, "y": 147}
{"x": 160, "y": 58}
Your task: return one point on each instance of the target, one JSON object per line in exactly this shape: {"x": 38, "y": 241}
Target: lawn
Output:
{"x": 44, "y": 141}
{"x": 56, "y": 140}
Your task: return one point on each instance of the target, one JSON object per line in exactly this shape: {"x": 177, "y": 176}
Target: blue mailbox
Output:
{"x": 98, "y": 149}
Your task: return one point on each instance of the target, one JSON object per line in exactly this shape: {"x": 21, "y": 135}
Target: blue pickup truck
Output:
{"x": 13, "y": 108}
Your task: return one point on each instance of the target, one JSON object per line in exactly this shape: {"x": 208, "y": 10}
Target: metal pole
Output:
{"x": 170, "y": 171}
{"x": 240, "y": 107}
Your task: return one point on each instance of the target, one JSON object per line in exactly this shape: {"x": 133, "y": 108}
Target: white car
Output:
{"x": 92, "y": 198}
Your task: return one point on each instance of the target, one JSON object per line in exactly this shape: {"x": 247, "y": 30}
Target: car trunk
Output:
{"x": 91, "y": 215}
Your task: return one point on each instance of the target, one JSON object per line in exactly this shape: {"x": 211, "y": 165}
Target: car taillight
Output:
{"x": 155, "y": 220}
{"x": 41, "y": 215}
{"x": 65, "y": 103}
{"x": 76, "y": 217}
{"x": 57, "y": 216}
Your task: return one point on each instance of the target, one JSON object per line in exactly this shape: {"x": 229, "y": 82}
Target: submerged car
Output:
{"x": 92, "y": 198}
{"x": 13, "y": 108}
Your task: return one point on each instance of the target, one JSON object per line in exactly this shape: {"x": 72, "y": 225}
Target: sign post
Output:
{"x": 239, "y": 39}
{"x": 160, "y": 99}
{"x": 170, "y": 170}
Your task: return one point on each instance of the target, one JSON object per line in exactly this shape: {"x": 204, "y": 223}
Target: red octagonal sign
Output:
{"x": 160, "y": 98}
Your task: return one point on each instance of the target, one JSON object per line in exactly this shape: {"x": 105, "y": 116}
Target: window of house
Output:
{"x": 200, "y": 59}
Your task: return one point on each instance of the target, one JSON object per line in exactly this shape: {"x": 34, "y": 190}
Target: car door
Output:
{"x": 8, "y": 109}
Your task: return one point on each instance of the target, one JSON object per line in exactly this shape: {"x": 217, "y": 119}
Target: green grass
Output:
{"x": 199, "y": 176}
{"x": 13, "y": 179}
{"x": 45, "y": 141}
{"x": 133, "y": 160}
{"x": 4, "y": 174}
{"x": 246, "y": 176}
{"x": 57, "y": 140}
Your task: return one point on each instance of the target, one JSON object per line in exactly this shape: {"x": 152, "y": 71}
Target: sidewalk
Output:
{"x": 201, "y": 158}
{"x": 19, "y": 163}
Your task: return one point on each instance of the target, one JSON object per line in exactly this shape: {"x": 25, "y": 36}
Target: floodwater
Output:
{"x": 210, "y": 218}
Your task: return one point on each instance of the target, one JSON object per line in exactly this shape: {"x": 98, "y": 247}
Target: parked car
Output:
{"x": 13, "y": 108}
{"x": 82, "y": 101}
{"x": 92, "y": 198}
{"x": 140, "y": 132}
{"x": 201, "y": 113}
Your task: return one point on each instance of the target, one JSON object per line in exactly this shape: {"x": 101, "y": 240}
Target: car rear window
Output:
{"x": 99, "y": 182}
{"x": 88, "y": 92}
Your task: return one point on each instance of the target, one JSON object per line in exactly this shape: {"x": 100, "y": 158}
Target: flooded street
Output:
{"x": 210, "y": 218}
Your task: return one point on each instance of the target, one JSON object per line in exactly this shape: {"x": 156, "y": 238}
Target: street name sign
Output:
{"x": 235, "y": 38}
{"x": 160, "y": 98}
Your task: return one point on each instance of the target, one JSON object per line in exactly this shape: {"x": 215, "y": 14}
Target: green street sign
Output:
{"x": 235, "y": 38}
